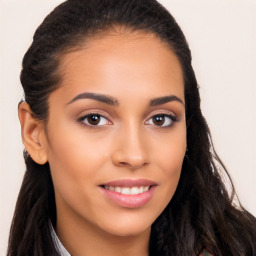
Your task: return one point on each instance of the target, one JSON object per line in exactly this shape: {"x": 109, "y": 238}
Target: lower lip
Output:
{"x": 130, "y": 201}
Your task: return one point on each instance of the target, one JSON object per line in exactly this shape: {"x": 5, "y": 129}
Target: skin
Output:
{"x": 134, "y": 68}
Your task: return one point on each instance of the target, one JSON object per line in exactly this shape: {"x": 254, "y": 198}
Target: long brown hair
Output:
{"x": 201, "y": 214}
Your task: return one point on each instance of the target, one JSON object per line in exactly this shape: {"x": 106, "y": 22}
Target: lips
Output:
{"x": 129, "y": 193}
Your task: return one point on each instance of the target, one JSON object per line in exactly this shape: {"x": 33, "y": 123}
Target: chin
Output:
{"x": 128, "y": 226}
{"x": 128, "y": 231}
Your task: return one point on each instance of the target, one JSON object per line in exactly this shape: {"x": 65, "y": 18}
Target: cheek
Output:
{"x": 171, "y": 150}
{"x": 74, "y": 166}
{"x": 73, "y": 152}
{"x": 170, "y": 159}
{"x": 77, "y": 160}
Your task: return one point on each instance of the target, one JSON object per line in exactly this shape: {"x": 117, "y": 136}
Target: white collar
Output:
{"x": 58, "y": 245}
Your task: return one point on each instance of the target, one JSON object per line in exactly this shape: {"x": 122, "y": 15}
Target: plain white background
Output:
{"x": 222, "y": 37}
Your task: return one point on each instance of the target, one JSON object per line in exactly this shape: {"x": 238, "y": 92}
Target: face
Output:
{"x": 116, "y": 133}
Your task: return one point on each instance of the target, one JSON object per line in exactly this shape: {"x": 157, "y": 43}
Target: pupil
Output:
{"x": 158, "y": 120}
{"x": 94, "y": 119}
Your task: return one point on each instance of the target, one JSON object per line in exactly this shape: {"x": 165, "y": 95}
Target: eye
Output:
{"x": 162, "y": 120}
{"x": 94, "y": 120}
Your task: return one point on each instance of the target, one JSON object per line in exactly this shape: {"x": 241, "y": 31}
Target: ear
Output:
{"x": 33, "y": 134}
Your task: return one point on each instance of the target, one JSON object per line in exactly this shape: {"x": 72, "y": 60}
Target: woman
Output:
{"x": 119, "y": 157}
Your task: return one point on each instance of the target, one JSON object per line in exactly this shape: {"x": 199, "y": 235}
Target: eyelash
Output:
{"x": 83, "y": 118}
{"x": 172, "y": 120}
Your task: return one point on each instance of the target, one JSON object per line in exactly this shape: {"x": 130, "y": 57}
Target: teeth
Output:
{"x": 118, "y": 189}
{"x": 128, "y": 190}
{"x": 135, "y": 191}
{"x": 145, "y": 189}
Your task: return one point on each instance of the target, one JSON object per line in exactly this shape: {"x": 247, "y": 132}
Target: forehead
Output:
{"x": 118, "y": 61}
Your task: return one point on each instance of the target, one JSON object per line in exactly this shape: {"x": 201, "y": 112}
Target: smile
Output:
{"x": 129, "y": 193}
{"x": 128, "y": 190}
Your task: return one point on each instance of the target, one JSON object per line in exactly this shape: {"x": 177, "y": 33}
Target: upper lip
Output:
{"x": 130, "y": 183}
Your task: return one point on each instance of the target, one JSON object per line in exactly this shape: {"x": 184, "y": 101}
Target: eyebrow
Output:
{"x": 114, "y": 102}
{"x": 164, "y": 99}
{"x": 96, "y": 96}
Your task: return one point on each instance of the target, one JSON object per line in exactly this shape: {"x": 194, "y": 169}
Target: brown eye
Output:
{"x": 158, "y": 120}
{"x": 162, "y": 120}
{"x": 94, "y": 120}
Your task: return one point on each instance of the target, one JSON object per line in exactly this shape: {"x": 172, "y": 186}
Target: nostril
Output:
{"x": 130, "y": 158}
{"x": 132, "y": 165}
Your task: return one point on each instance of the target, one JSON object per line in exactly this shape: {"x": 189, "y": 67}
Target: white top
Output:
{"x": 58, "y": 245}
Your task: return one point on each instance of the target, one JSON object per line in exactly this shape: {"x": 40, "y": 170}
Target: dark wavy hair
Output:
{"x": 201, "y": 214}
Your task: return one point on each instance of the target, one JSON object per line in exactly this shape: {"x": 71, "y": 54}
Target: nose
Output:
{"x": 131, "y": 149}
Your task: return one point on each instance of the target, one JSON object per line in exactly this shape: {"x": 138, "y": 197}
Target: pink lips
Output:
{"x": 130, "y": 200}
